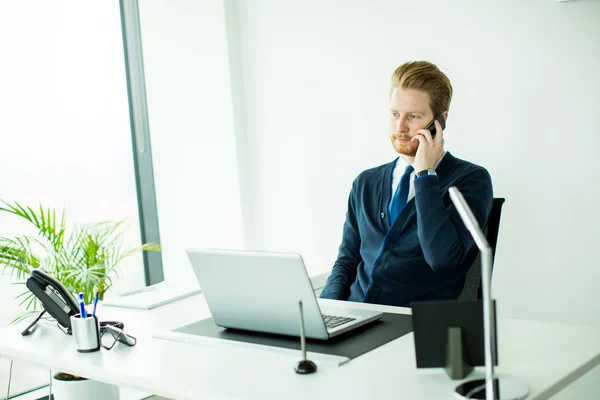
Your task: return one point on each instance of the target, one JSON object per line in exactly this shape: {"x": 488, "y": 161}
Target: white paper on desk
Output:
{"x": 163, "y": 294}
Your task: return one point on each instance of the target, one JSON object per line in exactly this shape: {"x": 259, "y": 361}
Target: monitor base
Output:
{"x": 504, "y": 389}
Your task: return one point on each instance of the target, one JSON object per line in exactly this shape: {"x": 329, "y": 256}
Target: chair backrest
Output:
{"x": 472, "y": 288}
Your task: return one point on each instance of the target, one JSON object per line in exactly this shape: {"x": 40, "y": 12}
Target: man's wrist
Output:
{"x": 425, "y": 172}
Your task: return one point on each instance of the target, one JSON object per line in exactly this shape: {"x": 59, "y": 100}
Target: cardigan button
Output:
{"x": 382, "y": 215}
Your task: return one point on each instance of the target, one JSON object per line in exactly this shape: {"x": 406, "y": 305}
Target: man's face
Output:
{"x": 409, "y": 112}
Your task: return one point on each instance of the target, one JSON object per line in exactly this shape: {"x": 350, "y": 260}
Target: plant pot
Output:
{"x": 70, "y": 387}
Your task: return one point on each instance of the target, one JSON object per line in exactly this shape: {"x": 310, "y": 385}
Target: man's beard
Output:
{"x": 407, "y": 149}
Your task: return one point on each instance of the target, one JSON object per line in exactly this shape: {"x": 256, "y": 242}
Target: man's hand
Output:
{"x": 430, "y": 149}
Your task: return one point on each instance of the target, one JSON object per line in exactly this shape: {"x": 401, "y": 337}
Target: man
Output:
{"x": 403, "y": 239}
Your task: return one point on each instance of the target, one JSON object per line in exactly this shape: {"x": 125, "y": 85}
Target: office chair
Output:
{"x": 472, "y": 287}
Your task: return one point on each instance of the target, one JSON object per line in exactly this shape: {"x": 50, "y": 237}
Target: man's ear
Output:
{"x": 445, "y": 115}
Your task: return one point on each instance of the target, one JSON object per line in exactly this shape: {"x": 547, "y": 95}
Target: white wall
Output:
{"x": 65, "y": 122}
{"x": 527, "y": 87}
{"x": 310, "y": 84}
{"x": 191, "y": 128}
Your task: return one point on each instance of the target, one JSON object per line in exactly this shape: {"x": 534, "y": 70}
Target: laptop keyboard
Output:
{"x": 331, "y": 321}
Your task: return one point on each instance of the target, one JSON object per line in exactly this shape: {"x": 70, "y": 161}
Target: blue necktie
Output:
{"x": 399, "y": 200}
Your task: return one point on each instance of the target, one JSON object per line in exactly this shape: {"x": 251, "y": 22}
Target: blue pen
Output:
{"x": 82, "y": 306}
{"x": 95, "y": 304}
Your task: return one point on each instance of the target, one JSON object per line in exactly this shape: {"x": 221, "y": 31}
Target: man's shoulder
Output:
{"x": 462, "y": 173}
{"x": 459, "y": 165}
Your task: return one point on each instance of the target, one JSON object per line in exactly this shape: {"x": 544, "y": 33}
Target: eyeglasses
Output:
{"x": 112, "y": 335}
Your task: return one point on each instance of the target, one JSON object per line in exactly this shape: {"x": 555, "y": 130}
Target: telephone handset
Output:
{"x": 55, "y": 298}
{"x": 431, "y": 127}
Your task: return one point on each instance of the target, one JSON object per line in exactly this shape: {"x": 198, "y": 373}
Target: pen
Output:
{"x": 82, "y": 306}
{"x": 95, "y": 304}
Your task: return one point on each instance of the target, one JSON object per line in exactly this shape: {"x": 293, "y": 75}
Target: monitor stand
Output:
{"x": 457, "y": 365}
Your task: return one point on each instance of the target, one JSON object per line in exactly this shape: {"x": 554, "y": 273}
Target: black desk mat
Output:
{"x": 349, "y": 344}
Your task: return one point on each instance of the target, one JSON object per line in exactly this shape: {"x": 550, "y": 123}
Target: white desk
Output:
{"x": 547, "y": 357}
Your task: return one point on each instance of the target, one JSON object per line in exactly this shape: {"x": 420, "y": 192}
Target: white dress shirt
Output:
{"x": 399, "y": 171}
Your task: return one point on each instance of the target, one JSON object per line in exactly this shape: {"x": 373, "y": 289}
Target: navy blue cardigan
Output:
{"x": 426, "y": 252}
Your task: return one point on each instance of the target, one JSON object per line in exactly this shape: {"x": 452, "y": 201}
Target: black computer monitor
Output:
{"x": 431, "y": 321}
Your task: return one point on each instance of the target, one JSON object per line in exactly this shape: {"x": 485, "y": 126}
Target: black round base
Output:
{"x": 504, "y": 389}
{"x": 305, "y": 367}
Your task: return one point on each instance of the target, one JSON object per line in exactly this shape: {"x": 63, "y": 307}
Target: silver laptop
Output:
{"x": 260, "y": 291}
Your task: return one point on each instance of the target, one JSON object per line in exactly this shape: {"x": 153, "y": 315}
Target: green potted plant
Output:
{"x": 84, "y": 259}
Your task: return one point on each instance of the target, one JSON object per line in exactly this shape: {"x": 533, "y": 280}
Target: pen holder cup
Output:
{"x": 86, "y": 332}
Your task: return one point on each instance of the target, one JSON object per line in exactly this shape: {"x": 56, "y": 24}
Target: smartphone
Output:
{"x": 431, "y": 126}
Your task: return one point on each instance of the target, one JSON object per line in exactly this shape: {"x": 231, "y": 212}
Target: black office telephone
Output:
{"x": 55, "y": 298}
{"x": 56, "y": 301}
